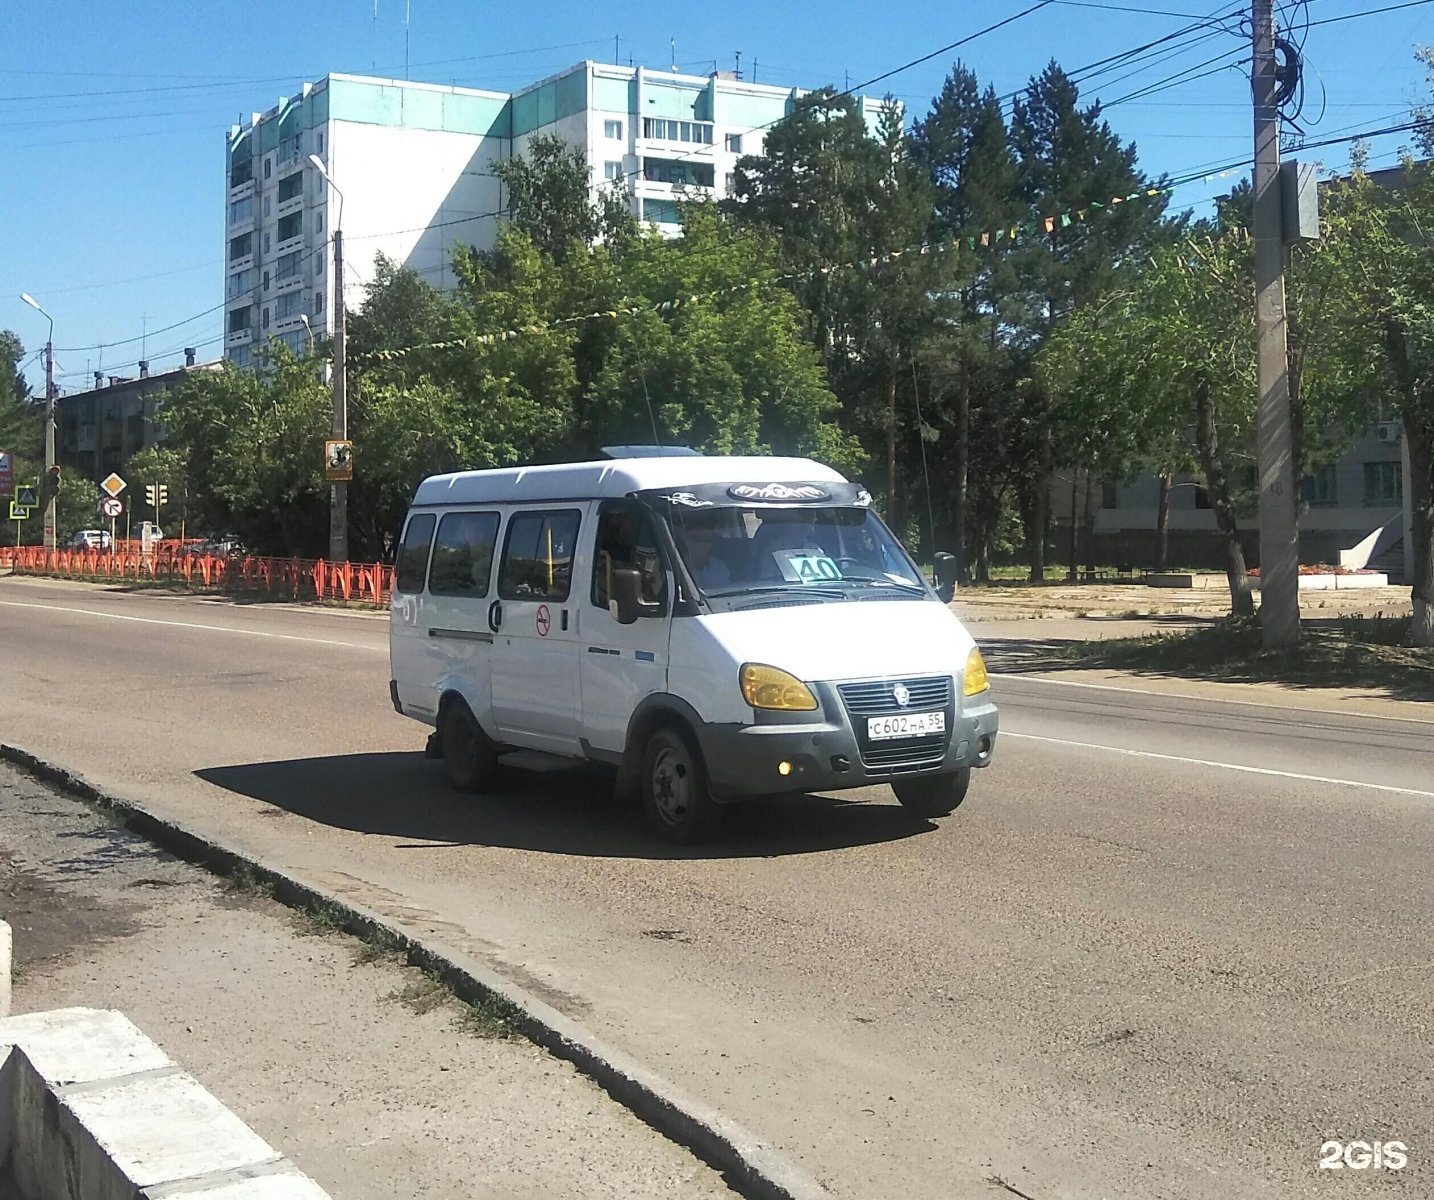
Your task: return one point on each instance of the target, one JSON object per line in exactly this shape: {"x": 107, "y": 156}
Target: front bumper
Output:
{"x": 825, "y": 754}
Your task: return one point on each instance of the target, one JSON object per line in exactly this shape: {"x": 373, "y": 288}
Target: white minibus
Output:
{"x": 715, "y": 628}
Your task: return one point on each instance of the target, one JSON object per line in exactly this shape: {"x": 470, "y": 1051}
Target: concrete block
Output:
{"x": 91, "y": 1109}
{"x": 80, "y": 1045}
{"x": 7, "y": 962}
{"x": 285, "y": 1184}
{"x": 138, "y": 1126}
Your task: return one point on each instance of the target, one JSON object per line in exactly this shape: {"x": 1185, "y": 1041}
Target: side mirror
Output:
{"x": 945, "y": 576}
{"x": 626, "y": 603}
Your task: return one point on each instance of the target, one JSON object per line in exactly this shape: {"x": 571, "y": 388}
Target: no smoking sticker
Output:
{"x": 545, "y": 620}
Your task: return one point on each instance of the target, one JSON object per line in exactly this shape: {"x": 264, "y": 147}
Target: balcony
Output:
{"x": 288, "y": 245}
{"x": 239, "y": 337}
{"x": 240, "y": 299}
{"x": 292, "y": 204}
{"x": 286, "y": 283}
{"x": 241, "y": 191}
{"x": 243, "y": 263}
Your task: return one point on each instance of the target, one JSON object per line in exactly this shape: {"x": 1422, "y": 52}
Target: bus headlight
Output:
{"x": 771, "y": 688}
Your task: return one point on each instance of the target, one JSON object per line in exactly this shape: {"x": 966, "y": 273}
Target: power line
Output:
{"x": 147, "y": 334}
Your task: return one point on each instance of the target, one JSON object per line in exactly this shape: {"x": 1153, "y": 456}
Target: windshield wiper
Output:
{"x": 884, "y": 581}
{"x": 804, "y": 589}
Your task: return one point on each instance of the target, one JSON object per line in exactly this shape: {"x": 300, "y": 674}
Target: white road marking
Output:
{"x": 1112, "y": 687}
{"x": 1224, "y": 766}
{"x": 259, "y": 633}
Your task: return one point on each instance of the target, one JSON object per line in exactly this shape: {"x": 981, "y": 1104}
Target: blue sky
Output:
{"x": 112, "y": 117}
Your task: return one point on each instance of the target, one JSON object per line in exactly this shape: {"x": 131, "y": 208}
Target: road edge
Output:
{"x": 750, "y": 1166}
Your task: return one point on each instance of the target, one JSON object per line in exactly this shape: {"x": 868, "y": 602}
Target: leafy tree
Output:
{"x": 1069, "y": 159}
{"x": 163, "y": 465}
{"x": 255, "y": 440}
{"x": 549, "y": 198}
{"x": 21, "y": 419}
{"x": 1380, "y": 251}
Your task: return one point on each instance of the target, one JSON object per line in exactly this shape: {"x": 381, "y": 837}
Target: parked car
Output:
{"x": 91, "y": 539}
{"x": 222, "y": 545}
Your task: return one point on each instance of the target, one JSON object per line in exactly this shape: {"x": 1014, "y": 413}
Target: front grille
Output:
{"x": 876, "y": 699}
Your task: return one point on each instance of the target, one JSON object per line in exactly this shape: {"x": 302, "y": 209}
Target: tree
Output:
{"x": 165, "y": 467}
{"x": 963, "y": 146}
{"x": 549, "y": 198}
{"x": 21, "y": 419}
{"x": 1380, "y": 250}
{"x": 255, "y": 439}
{"x": 1069, "y": 161}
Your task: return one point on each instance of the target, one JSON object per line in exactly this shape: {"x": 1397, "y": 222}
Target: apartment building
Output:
{"x": 412, "y": 172}
{"x": 97, "y": 430}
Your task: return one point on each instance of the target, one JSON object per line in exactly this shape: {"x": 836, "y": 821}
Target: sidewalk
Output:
{"x": 371, "y": 1079}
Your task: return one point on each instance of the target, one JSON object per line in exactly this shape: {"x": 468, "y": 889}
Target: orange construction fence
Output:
{"x": 281, "y": 578}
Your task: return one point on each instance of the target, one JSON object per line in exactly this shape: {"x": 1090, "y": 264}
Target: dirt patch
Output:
{"x": 52, "y": 923}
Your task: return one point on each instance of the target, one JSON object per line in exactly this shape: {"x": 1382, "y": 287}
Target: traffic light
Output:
{"x": 49, "y": 486}
{"x": 163, "y": 496}
{"x": 151, "y": 494}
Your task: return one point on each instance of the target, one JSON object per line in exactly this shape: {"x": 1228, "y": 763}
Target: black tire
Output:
{"x": 933, "y": 795}
{"x": 470, "y": 760}
{"x": 673, "y": 783}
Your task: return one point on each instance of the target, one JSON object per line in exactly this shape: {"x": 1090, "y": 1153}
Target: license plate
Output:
{"x": 905, "y": 725}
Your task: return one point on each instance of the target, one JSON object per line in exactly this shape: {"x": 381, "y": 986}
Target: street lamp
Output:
{"x": 49, "y": 414}
{"x": 339, "y": 497}
{"x": 309, "y": 329}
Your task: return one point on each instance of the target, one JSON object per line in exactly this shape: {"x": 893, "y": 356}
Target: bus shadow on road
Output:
{"x": 404, "y": 796}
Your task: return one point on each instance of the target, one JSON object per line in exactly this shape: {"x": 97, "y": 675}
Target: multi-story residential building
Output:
{"x": 97, "y": 431}
{"x": 413, "y": 164}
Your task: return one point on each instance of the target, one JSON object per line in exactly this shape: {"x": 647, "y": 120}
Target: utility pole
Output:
{"x": 50, "y": 440}
{"x": 339, "y": 501}
{"x": 1279, "y": 536}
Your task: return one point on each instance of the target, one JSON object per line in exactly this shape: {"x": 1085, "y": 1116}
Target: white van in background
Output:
{"x": 714, "y": 628}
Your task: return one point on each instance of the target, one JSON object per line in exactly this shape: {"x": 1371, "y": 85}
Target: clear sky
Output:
{"x": 113, "y": 115}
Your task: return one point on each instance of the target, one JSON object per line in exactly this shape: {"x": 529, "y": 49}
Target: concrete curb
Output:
{"x": 7, "y": 960}
{"x": 750, "y": 1166}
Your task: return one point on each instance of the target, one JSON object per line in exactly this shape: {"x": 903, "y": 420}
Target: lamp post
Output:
{"x": 308, "y": 329}
{"x": 339, "y": 496}
{"x": 49, "y": 414}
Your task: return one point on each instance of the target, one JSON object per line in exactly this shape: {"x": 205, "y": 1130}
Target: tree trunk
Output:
{"x": 891, "y": 446}
{"x": 962, "y": 468}
{"x": 1419, "y": 435}
{"x": 1088, "y": 525}
{"x": 1072, "y": 574}
{"x": 1242, "y": 603}
{"x": 1162, "y": 525}
{"x": 1041, "y": 508}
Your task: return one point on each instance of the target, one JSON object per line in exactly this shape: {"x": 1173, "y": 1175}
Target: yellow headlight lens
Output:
{"x": 767, "y": 687}
{"x": 977, "y": 681}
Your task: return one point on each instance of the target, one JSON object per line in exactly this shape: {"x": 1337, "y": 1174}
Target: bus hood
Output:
{"x": 851, "y": 640}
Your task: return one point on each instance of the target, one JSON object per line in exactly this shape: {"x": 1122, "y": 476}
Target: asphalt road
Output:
{"x": 1168, "y": 947}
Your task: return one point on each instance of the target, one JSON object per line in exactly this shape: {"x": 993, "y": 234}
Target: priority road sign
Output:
{"x": 19, "y": 512}
{"x": 112, "y": 484}
{"x": 27, "y": 495}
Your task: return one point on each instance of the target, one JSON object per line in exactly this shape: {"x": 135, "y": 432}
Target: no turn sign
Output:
{"x": 111, "y": 507}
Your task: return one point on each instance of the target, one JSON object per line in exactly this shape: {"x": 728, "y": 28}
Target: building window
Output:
{"x": 291, "y": 226}
{"x": 238, "y": 320}
{"x": 288, "y": 306}
{"x": 241, "y": 172}
{"x": 1383, "y": 485}
{"x": 1109, "y": 495}
{"x": 612, "y": 129}
{"x": 663, "y": 212}
{"x": 318, "y": 302}
{"x": 268, "y": 166}
{"x": 1202, "y": 498}
{"x": 241, "y": 210}
{"x": 240, "y": 357}
{"x": 266, "y": 242}
{"x": 612, "y": 170}
{"x": 241, "y": 246}
{"x": 291, "y": 147}
{"x": 659, "y": 130}
{"x": 266, "y": 281}
{"x": 734, "y": 143}
{"x": 663, "y": 170}
{"x": 321, "y": 141}
{"x": 291, "y": 186}
{"x": 267, "y": 202}
{"x": 731, "y": 183}
{"x": 266, "y": 318}
{"x": 1321, "y": 490}
{"x": 318, "y": 222}
{"x": 287, "y": 266}
{"x": 239, "y": 283}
